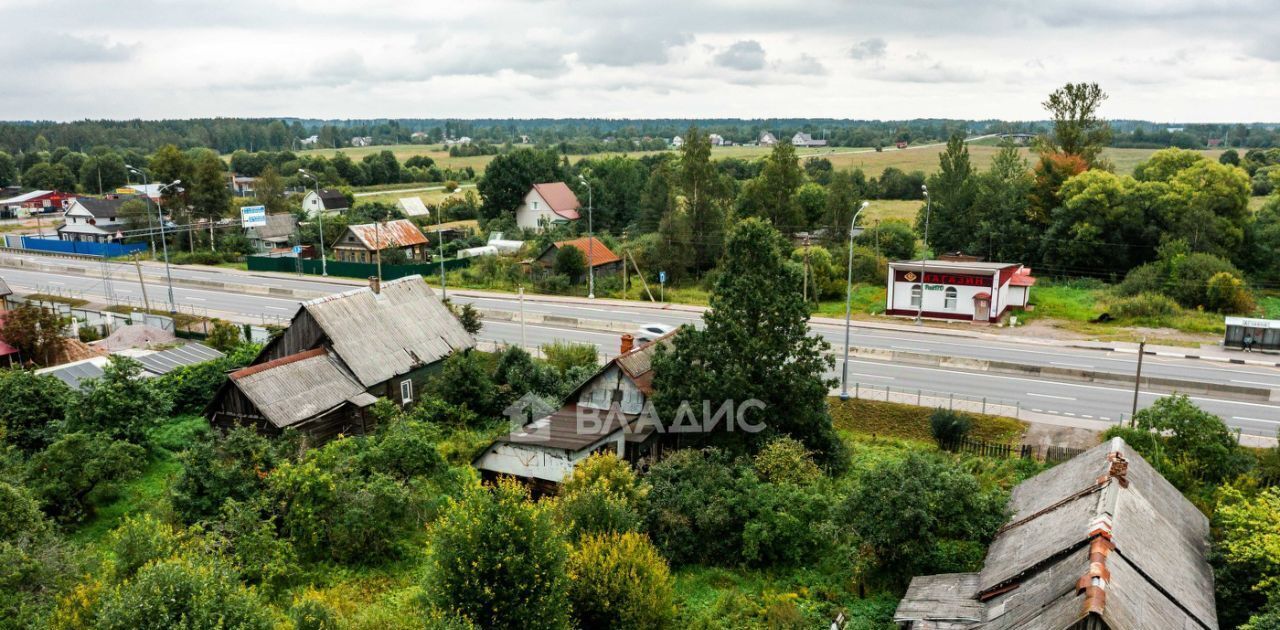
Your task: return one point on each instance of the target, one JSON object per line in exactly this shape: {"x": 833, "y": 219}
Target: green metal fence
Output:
{"x": 351, "y": 269}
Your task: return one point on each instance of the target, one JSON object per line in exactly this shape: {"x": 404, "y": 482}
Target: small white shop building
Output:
{"x": 958, "y": 290}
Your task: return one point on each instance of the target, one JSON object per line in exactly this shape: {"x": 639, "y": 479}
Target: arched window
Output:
{"x": 916, "y": 295}
{"x": 949, "y": 299}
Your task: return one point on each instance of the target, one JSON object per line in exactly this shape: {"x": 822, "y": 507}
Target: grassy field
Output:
{"x": 429, "y": 197}
{"x": 1256, "y": 203}
{"x": 912, "y": 423}
{"x": 1073, "y": 308}
{"x": 881, "y": 209}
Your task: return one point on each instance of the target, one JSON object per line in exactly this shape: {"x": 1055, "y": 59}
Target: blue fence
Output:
{"x": 105, "y": 250}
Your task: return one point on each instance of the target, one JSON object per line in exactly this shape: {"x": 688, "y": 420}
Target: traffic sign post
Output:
{"x": 662, "y": 286}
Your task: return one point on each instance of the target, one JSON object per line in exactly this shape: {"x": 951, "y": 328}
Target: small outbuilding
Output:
{"x": 597, "y": 254}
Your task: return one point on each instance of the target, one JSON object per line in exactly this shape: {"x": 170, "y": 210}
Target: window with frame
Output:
{"x": 406, "y": 391}
{"x": 917, "y": 294}
{"x": 949, "y": 299}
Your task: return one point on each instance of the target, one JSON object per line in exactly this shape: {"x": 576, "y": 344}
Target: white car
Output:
{"x": 648, "y": 332}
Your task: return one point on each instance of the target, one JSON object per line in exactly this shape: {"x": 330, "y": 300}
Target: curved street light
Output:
{"x": 848, "y": 307}
{"x": 324, "y": 268}
{"x": 591, "y": 240}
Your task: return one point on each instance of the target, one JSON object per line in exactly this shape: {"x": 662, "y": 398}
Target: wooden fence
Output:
{"x": 983, "y": 448}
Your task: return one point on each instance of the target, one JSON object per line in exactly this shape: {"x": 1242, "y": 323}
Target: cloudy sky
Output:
{"x": 1167, "y": 60}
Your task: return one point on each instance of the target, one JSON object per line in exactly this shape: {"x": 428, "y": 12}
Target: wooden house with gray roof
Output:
{"x": 1101, "y": 542}
{"x": 340, "y": 354}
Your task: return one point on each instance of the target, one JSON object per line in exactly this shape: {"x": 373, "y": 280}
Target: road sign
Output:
{"x": 297, "y": 250}
{"x": 662, "y": 277}
{"x": 253, "y": 216}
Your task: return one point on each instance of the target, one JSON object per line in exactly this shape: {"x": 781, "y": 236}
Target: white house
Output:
{"x": 802, "y": 139}
{"x": 677, "y": 142}
{"x": 329, "y": 200}
{"x": 551, "y": 202}
{"x": 767, "y": 139}
{"x": 716, "y": 139}
{"x": 92, "y": 220}
{"x": 958, "y": 290}
{"x": 309, "y": 141}
{"x": 362, "y": 141}
{"x": 608, "y": 413}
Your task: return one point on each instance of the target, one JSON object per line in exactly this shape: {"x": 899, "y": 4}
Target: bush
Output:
{"x": 1189, "y": 276}
{"x": 1149, "y": 306}
{"x": 224, "y": 337}
{"x": 1227, "y": 294}
{"x": 785, "y": 460}
{"x": 620, "y": 581}
{"x": 231, "y": 466}
{"x": 34, "y": 563}
{"x": 1148, "y": 278}
{"x": 566, "y": 355}
{"x": 696, "y": 510}
{"x": 1189, "y": 446}
{"x": 311, "y": 613}
{"x": 949, "y": 426}
{"x": 570, "y": 262}
{"x": 138, "y": 541}
{"x": 499, "y": 561}
{"x": 192, "y": 387}
{"x": 31, "y": 407}
{"x": 895, "y": 238}
{"x": 554, "y": 284}
{"x": 464, "y": 381}
{"x": 246, "y": 533}
{"x": 787, "y": 524}
{"x": 601, "y": 496}
{"x": 121, "y": 404}
{"x": 81, "y": 471}
{"x": 182, "y": 592}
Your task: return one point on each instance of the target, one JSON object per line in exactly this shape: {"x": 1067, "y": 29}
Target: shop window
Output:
{"x": 949, "y": 299}
{"x": 917, "y": 294}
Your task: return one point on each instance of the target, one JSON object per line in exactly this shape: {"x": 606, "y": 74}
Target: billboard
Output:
{"x": 253, "y": 216}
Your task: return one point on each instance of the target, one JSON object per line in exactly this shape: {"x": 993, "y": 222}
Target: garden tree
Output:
{"x": 136, "y": 216}
{"x": 1262, "y": 241}
{"x": 120, "y": 404}
{"x": 1077, "y": 129}
{"x": 8, "y": 170}
{"x": 1192, "y": 448}
{"x": 509, "y": 176}
{"x": 922, "y": 515}
{"x": 894, "y": 183}
{"x": 844, "y": 196}
{"x": 80, "y": 471}
{"x": 1004, "y": 230}
{"x": 167, "y": 165}
{"x": 825, "y": 277}
{"x": 103, "y": 173}
{"x": 771, "y": 195}
{"x": 517, "y": 374}
{"x": 1247, "y": 557}
{"x": 381, "y": 168}
{"x": 704, "y": 195}
{"x": 892, "y": 238}
{"x": 464, "y": 381}
{"x": 224, "y": 337}
{"x": 695, "y": 512}
{"x": 1230, "y": 157}
{"x": 1088, "y": 232}
{"x": 49, "y": 177}
{"x": 141, "y": 539}
{"x": 952, "y": 191}
{"x": 617, "y": 186}
{"x": 498, "y": 560}
{"x": 676, "y": 250}
{"x": 222, "y": 467}
{"x": 620, "y": 581}
{"x": 35, "y": 332}
{"x": 785, "y": 460}
{"x": 209, "y": 193}
{"x": 1051, "y": 171}
{"x": 31, "y": 407}
{"x": 819, "y": 169}
{"x": 468, "y": 316}
{"x": 811, "y": 202}
{"x": 602, "y": 496}
{"x": 571, "y": 262}
{"x": 269, "y": 191}
{"x": 184, "y": 591}
{"x": 755, "y": 345}
{"x": 36, "y": 566}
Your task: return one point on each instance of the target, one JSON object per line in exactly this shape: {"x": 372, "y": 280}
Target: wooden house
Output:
{"x": 339, "y": 355}
{"x": 361, "y": 243}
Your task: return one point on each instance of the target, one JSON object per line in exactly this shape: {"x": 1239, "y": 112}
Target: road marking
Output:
{"x": 196, "y": 299}
{"x": 887, "y": 378}
{"x": 1068, "y": 413}
{"x": 1038, "y": 410}
{"x": 1085, "y": 415}
{"x": 276, "y": 308}
{"x": 910, "y": 349}
{"x": 1255, "y": 420}
{"x": 1105, "y": 418}
{"x": 1049, "y": 396}
{"x": 1273, "y": 384}
{"x": 1079, "y": 365}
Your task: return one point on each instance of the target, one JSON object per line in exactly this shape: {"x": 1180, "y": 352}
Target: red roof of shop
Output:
{"x": 1022, "y": 278}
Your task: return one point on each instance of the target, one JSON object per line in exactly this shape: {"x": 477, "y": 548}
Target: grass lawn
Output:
{"x": 714, "y": 597}
{"x": 1270, "y": 305}
{"x": 883, "y": 209}
{"x": 870, "y": 417}
{"x": 393, "y": 196}
{"x": 867, "y": 300}
{"x": 1074, "y": 306}
{"x": 181, "y": 320}
{"x": 1256, "y": 203}
{"x": 46, "y": 297}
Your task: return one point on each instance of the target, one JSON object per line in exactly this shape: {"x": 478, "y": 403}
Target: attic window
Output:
{"x": 535, "y": 205}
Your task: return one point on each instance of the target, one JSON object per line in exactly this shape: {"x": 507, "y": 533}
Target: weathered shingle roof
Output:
{"x": 561, "y": 430}
{"x": 638, "y": 364}
{"x": 398, "y": 233}
{"x": 333, "y": 199}
{"x": 391, "y": 333}
{"x": 4, "y": 288}
{"x": 298, "y": 387}
{"x": 942, "y": 602}
{"x": 1102, "y": 534}
{"x": 278, "y": 226}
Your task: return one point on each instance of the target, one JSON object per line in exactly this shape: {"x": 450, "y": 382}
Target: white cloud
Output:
{"x": 746, "y": 54}
{"x": 872, "y": 48}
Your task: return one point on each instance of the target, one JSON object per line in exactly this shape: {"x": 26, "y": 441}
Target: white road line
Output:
{"x": 1085, "y": 415}
{"x": 1079, "y": 365}
{"x": 863, "y": 374}
{"x": 1272, "y": 384}
{"x": 276, "y": 308}
{"x": 909, "y": 349}
{"x": 196, "y": 299}
{"x": 1255, "y": 420}
{"x": 1105, "y": 418}
{"x": 1050, "y": 396}
{"x": 1068, "y": 413}
{"x": 1038, "y": 410}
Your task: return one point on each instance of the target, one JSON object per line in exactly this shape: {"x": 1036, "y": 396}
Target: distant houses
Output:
{"x": 550, "y": 202}
{"x": 598, "y": 255}
{"x": 677, "y": 142}
{"x": 34, "y": 201}
{"x": 1101, "y": 542}
{"x": 361, "y": 243}
{"x": 362, "y": 141}
{"x": 328, "y": 200}
{"x": 93, "y": 220}
{"x": 767, "y": 139}
{"x": 276, "y": 234}
{"x": 340, "y": 354}
{"x": 802, "y": 139}
{"x": 242, "y": 185}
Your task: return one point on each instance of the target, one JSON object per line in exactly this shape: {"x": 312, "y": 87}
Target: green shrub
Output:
{"x": 498, "y": 560}
{"x": 182, "y": 593}
{"x": 138, "y": 541}
{"x": 620, "y": 581}
{"x": 246, "y": 534}
{"x": 464, "y": 381}
{"x": 696, "y": 510}
{"x": 570, "y": 262}
{"x": 555, "y": 284}
{"x": 1189, "y": 276}
{"x": 81, "y": 471}
{"x": 121, "y": 404}
{"x": 785, "y": 460}
{"x": 566, "y": 355}
{"x": 310, "y": 613}
{"x": 1148, "y": 278}
{"x": 1149, "y": 306}
{"x": 1227, "y": 294}
{"x": 602, "y": 496}
{"x": 31, "y": 407}
{"x": 35, "y": 565}
{"x": 949, "y": 426}
{"x": 787, "y": 524}
{"x": 224, "y": 337}
{"x": 230, "y": 466}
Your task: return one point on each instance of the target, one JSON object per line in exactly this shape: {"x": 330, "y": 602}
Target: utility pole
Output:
{"x": 1137, "y": 380}
{"x": 804, "y": 291}
{"x": 928, "y": 210}
{"x": 146, "y": 303}
{"x": 523, "y": 343}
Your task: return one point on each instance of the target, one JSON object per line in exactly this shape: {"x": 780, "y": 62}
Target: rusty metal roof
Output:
{"x": 593, "y": 249}
{"x": 398, "y": 233}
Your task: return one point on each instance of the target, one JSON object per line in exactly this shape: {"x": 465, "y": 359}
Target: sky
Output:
{"x": 1170, "y": 60}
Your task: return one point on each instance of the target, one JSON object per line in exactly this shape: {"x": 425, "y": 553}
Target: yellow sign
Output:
{"x": 911, "y": 276}
{"x": 125, "y": 190}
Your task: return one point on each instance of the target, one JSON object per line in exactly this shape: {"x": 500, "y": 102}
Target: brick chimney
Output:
{"x": 628, "y": 342}
{"x": 375, "y": 284}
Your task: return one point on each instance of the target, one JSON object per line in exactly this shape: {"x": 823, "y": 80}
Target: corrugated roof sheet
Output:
{"x": 413, "y": 206}
{"x": 398, "y": 233}
{"x": 73, "y": 374}
{"x": 298, "y": 387}
{"x": 167, "y": 361}
{"x": 278, "y": 226}
{"x": 385, "y": 335}
{"x": 942, "y": 602}
{"x": 4, "y": 288}
{"x": 561, "y": 429}
{"x": 593, "y": 249}
{"x": 560, "y": 198}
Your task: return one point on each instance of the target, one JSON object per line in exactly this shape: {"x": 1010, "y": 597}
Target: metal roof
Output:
{"x": 278, "y": 226}
{"x": 559, "y": 198}
{"x": 952, "y": 265}
{"x": 167, "y": 361}
{"x": 398, "y": 233}
{"x": 593, "y": 250}
{"x": 4, "y": 288}
{"x": 298, "y": 387}
{"x": 561, "y": 430}
{"x": 25, "y": 197}
{"x": 380, "y": 336}
{"x": 413, "y": 206}
{"x": 73, "y": 374}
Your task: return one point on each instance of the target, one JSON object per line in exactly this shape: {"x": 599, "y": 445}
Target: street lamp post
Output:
{"x": 591, "y": 239}
{"x": 173, "y": 304}
{"x": 324, "y": 267}
{"x": 848, "y": 307}
{"x": 928, "y": 210}
{"x": 146, "y": 195}
{"x": 444, "y": 288}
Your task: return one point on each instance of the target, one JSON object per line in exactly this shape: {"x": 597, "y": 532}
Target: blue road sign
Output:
{"x": 662, "y": 277}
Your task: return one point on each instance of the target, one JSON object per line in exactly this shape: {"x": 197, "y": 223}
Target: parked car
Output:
{"x": 648, "y": 332}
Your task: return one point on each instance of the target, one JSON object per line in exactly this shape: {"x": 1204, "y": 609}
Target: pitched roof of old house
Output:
{"x": 383, "y": 335}
{"x": 1103, "y": 535}
{"x": 292, "y": 389}
{"x": 638, "y": 363}
{"x": 593, "y": 249}
{"x": 4, "y": 288}
{"x": 102, "y": 208}
{"x": 559, "y": 198}
{"x": 333, "y": 199}
{"x": 278, "y": 226}
{"x": 398, "y": 233}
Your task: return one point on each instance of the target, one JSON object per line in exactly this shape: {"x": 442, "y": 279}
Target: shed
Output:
{"x": 413, "y": 207}
{"x": 597, "y": 254}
